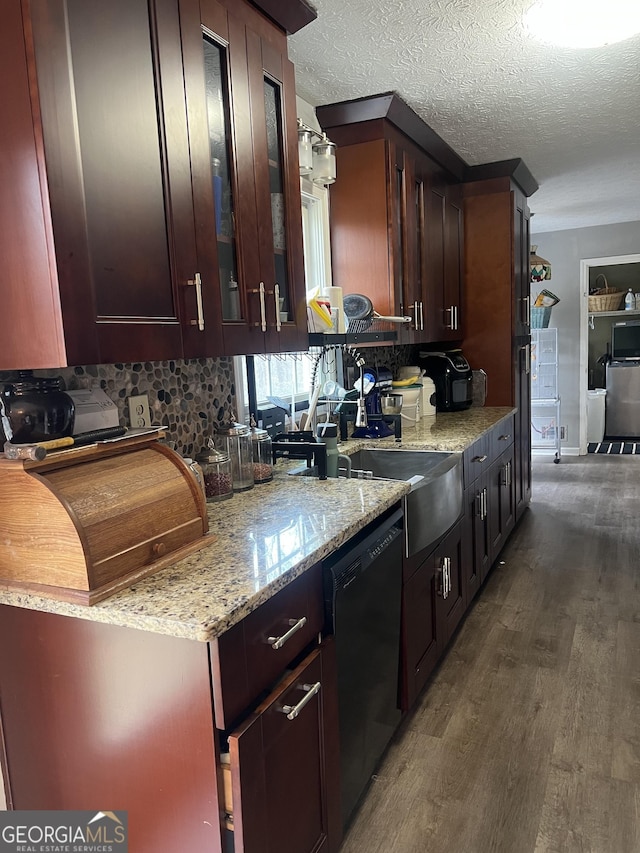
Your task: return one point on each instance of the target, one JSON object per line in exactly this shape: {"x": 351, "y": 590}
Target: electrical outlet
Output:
{"x": 139, "y": 413}
{"x": 563, "y": 433}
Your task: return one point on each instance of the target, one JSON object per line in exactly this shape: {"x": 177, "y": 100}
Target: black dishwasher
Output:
{"x": 362, "y": 590}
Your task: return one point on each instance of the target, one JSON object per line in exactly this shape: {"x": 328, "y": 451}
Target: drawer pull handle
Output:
{"x": 296, "y": 624}
{"x": 480, "y": 458}
{"x": 504, "y": 437}
{"x": 292, "y": 711}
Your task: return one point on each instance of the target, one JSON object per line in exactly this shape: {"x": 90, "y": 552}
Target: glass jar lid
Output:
{"x": 232, "y": 429}
{"x": 211, "y": 456}
{"x": 258, "y": 434}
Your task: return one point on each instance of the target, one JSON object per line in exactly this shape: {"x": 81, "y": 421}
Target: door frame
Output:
{"x": 585, "y": 266}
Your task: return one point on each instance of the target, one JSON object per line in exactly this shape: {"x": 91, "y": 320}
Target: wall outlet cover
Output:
{"x": 139, "y": 412}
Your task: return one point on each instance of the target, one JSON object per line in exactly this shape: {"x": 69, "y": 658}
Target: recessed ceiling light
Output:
{"x": 583, "y": 23}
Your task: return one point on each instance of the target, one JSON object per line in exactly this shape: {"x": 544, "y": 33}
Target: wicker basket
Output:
{"x": 606, "y": 298}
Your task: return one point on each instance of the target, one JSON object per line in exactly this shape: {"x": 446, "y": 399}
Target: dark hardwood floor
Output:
{"x": 528, "y": 737}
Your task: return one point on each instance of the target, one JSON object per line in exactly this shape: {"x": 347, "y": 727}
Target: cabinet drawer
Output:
{"x": 476, "y": 459}
{"x": 501, "y": 437}
{"x": 280, "y": 775}
{"x": 251, "y": 656}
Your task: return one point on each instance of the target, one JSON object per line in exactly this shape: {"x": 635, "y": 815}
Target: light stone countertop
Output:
{"x": 265, "y": 538}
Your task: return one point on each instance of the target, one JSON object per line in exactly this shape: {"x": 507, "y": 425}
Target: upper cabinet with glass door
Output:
{"x": 243, "y": 141}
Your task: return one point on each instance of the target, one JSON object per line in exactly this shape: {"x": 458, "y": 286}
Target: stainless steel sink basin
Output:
{"x": 434, "y": 503}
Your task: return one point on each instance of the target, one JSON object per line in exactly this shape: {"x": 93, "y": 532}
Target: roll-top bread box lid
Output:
{"x": 86, "y": 522}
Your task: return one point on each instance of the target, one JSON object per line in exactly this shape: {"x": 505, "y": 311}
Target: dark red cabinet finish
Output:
{"x": 396, "y": 216}
{"x": 108, "y": 206}
{"x": 95, "y": 716}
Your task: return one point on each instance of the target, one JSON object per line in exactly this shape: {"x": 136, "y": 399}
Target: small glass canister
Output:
{"x": 235, "y": 440}
{"x": 262, "y": 455}
{"x": 216, "y": 474}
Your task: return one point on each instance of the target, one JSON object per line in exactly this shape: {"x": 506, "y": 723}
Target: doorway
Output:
{"x": 586, "y": 266}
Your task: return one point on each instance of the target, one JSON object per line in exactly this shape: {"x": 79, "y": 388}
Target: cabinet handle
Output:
{"x": 196, "y": 282}
{"x": 421, "y": 317}
{"x": 449, "y": 311}
{"x": 455, "y": 315}
{"x": 276, "y": 295}
{"x": 504, "y": 437}
{"x": 296, "y": 624}
{"x": 292, "y": 711}
{"x": 480, "y": 458}
{"x": 478, "y": 504}
{"x": 263, "y": 310}
{"x": 527, "y": 311}
{"x": 527, "y": 358}
{"x": 445, "y": 585}
{"x": 504, "y": 477}
{"x": 509, "y": 473}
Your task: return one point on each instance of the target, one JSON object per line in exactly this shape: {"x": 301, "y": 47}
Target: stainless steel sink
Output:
{"x": 434, "y": 503}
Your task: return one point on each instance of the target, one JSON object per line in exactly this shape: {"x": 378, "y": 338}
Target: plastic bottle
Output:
{"x": 629, "y": 301}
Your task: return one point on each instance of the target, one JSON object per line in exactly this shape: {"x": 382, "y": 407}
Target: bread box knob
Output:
{"x": 159, "y": 549}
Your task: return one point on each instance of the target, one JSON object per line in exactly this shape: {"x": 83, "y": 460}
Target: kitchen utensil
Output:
{"x": 235, "y": 440}
{"x": 391, "y": 404}
{"x": 360, "y": 312}
{"x": 35, "y": 409}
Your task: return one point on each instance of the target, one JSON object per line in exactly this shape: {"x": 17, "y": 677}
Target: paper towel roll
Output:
{"x": 334, "y": 295}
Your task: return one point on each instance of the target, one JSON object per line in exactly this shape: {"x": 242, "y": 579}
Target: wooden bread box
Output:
{"x": 88, "y": 521}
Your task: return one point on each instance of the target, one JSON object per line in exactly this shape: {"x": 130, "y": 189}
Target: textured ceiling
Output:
{"x": 470, "y": 70}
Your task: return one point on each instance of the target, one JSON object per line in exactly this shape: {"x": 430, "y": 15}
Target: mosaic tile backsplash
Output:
{"x": 186, "y": 397}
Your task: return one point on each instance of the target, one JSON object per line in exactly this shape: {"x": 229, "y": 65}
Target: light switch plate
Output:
{"x": 139, "y": 413}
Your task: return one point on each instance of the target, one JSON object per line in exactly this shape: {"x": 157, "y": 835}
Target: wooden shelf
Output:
{"x": 318, "y": 339}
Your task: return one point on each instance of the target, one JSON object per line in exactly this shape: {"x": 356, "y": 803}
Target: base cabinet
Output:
{"x": 277, "y": 762}
{"x": 118, "y": 716}
{"x": 433, "y": 605}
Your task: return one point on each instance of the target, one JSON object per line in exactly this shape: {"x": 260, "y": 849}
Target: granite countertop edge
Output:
{"x": 265, "y": 538}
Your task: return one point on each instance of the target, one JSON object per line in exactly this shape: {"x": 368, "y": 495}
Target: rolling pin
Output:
{"x": 39, "y": 449}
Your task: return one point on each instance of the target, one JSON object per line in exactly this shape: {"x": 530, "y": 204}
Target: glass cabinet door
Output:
{"x": 217, "y": 97}
{"x": 274, "y": 123}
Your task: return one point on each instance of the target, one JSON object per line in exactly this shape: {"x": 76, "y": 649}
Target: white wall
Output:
{"x": 564, "y": 250}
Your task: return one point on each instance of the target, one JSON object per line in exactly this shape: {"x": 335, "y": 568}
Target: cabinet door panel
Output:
{"x": 419, "y": 639}
{"x": 97, "y": 66}
{"x": 281, "y": 794}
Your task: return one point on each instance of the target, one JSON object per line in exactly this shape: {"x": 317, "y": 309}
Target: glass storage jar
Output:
{"x": 216, "y": 474}
{"x": 235, "y": 440}
{"x": 262, "y": 455}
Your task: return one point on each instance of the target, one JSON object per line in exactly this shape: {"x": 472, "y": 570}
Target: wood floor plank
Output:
{"x": 527, "y": 739}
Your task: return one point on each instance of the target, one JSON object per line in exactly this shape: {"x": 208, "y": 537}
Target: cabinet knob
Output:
{"x": 159, "y": 549}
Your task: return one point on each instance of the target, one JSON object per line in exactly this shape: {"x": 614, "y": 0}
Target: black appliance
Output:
{"x": 452, "y": 377}
{"x": 362, "y": 591}
{"x": 625, "y": 341}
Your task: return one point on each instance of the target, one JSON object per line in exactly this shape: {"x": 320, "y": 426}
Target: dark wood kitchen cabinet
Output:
{"x": 496, "y": 292}
{"x": 122, "y": 716}
{"x": 240, "y": 94}
{"x": 433, "y": 605}
{"x": 108, "y": 208}
{"x": 396, "y": 215}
